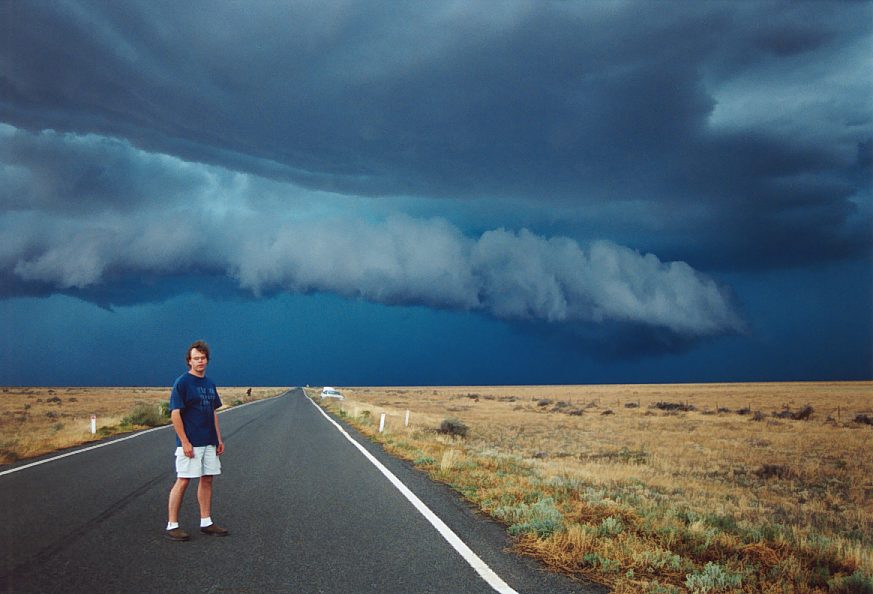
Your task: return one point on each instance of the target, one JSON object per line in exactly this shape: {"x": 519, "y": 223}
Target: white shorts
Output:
{"x": 204, "y": 463}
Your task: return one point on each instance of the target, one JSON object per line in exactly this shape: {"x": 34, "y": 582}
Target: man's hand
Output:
{"x": 188, "y": 449}
{"x": 220, "y": 449}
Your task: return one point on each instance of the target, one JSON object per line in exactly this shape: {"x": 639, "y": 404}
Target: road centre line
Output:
{"x": 485, "y": 572}
{"x": 119, "y": 440}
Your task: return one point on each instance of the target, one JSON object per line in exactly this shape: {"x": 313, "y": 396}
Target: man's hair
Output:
{"x": 201, "y": 346}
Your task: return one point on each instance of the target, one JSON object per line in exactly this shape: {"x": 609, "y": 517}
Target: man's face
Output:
{"x": 197, "y": 361}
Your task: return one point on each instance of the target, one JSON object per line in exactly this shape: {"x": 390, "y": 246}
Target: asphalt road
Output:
{"x": 307, "y": 512}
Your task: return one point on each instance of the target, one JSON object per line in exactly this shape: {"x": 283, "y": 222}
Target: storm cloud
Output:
{"x": 401, "y": 260}
{"x": 746, "y": 119}
{"x": 592, "y": 168}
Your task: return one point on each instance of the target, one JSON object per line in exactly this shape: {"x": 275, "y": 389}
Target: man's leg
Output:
{"x": 204, "y": 496}
{"x": 177, "y": 493}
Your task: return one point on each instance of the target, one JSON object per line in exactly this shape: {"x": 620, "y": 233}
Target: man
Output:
{"x": 193, "y": 404}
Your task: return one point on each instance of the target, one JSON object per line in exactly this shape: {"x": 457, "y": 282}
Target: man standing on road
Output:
{"x": 193, "y": 404}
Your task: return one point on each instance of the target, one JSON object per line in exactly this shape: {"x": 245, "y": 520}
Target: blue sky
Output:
{"x": 381, "y": 193}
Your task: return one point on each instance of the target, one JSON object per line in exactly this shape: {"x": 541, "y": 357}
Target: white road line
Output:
{"x": 114, "y": 441}
{"x": 453, "y": 539}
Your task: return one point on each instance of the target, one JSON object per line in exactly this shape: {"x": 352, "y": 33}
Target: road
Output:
{"x": 307, "y": 511}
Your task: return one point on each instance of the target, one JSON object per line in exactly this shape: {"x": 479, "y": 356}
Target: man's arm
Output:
{"x": 220, "y": 449}
{"x": 176, "y": 418}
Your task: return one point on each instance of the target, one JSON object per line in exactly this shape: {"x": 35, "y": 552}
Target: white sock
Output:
{"x": 204, "y": 522}
{"x": 171, "y": 525}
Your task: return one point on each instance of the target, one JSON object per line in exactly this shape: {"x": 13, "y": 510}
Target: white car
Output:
{"x": 328, "y": 392}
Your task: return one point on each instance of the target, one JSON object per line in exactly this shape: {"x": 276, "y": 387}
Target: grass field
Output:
{"x": 655, "y": 488}
{"x": 35, "y": 421}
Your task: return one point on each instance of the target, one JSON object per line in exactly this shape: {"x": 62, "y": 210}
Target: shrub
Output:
{"x": 802, "y": 415}
{"x": 674, "y": 406}
{"x": 713, "y": 578}
{"x": 774, "y": 471}
{"x": 657, "y": 588}
{"x": 864, "y": 419}
{"x": 659, "y": 559}
{"x": 453, "y": 427}
{"x": 857, "y": 583}
{"x": 541, "y": 518}
{"x": 544, "y": 402}
{"x": 604, "y": 564}
{"x": 610, "y": 526}
{"x": 144, "y": 414}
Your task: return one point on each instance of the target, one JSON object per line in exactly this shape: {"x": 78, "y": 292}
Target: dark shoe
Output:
{"x": 213, "y": 530}
{"x": 177, "y": 534}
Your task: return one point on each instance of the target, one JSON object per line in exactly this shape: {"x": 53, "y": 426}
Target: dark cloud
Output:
{"x": 52, "y": 172}
{"x": 720, "y": 116}
{"x": 215, "y": 230}
{"x": 602, "y": 162}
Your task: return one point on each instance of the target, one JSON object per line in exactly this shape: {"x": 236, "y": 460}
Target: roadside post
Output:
{"x": 382, "y": 423}
{"x": 93, "y": 424}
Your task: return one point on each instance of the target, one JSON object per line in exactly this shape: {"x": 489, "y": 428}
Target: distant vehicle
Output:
{"x": 328, "y": 392}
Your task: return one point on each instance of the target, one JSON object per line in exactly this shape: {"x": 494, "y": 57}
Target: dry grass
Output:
{"x": 640, "y": 487}
{"x": 36, "y": 421}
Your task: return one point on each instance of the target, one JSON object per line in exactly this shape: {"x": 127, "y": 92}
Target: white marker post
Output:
{"x": 93, "y": 424}
{"x": 382, "y": 423}
{"x": 406, "y": 420}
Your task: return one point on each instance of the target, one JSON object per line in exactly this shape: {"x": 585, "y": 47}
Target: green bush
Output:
{"x": 713, "y": 578}
{"x": 610, "y": 527}
{"x": 541, "y": 517}
{"x": 145, "y": 414}
{"x": 604, "y": 564}
{"x": 857, "y": 583}
{"x": 659, "y": 559}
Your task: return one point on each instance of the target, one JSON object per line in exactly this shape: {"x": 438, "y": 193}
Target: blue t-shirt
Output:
{"x": 197, "y": 398}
